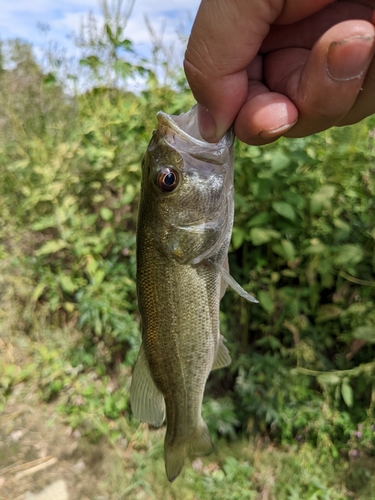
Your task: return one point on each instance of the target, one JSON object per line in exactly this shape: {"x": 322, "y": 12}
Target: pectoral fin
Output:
{"x": 222, "y": 355}
{"x": 223, "y": 283}
{"x": 146, "y": 401}
{"x": 232, "y": 282}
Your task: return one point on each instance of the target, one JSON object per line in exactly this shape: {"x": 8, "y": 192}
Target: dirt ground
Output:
{"x": 41, "y": 458}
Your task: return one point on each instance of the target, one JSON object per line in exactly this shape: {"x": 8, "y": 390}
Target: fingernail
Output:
{"x": 349, "y": 59}
{"x": 207, "y": 124}
{"x": 268, "y": 134}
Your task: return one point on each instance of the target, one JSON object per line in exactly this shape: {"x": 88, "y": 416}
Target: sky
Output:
{"x": 21, "y": 18}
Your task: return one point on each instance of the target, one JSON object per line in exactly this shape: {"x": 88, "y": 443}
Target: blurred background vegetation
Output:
{"x": 302, "y": 377}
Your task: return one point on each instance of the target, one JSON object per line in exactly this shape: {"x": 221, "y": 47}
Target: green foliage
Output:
{"x": 303, "y": 240}
{"x": 76, "y": 200}
{"x": 220, "y": 417}
{"x": 11, "y": 375}
{"x": 107, "y": 54}
{"x": 232, "y": 481}
{"x": 303, "y": 244}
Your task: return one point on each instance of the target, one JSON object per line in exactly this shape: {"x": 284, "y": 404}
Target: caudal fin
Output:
{"x": 198, "y": 444}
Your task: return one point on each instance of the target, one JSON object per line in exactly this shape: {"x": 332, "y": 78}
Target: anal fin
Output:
{"x": 222, "y": 355}
{"x": 200, "y": 443}
{"x": 146, "y": 401}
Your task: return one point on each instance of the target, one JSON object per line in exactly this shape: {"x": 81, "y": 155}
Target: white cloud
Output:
{"x": 20, "y": 18}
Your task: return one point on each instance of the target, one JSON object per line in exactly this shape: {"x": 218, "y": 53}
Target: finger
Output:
{"x": 265, "y": 116}
{"x": 326, "y": 86}
{"x": 226, "y": 36}
{"x": 365, "y": 103}
{"x": 368, "y": 3}
{"x": 305, "y": 33}
{"x": 294, "y": 10}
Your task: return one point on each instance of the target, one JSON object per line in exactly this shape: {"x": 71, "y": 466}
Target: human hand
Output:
{"x": 281, "y": 67}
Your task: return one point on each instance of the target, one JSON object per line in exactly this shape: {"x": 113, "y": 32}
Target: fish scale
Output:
{"x": 166, "y": 331}
{"x": 183, "y": 233}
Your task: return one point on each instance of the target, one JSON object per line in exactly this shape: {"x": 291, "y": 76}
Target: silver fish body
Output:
{"x": 184, "y": 229}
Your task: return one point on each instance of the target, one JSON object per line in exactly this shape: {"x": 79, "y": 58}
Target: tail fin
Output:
{"x": 174, "y": 456}
{"x": 199, "y": 443}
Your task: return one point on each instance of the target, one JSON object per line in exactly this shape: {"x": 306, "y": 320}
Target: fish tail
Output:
{"x": 174, "y": 456}
{"x": 199, "y": 443}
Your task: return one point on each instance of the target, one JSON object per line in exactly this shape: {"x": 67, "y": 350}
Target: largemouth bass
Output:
{"x": 184, "y": 229}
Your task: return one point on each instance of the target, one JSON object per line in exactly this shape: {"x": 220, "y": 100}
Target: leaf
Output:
{"x": 259, "y": 236}
{"x": 289, "y": 273}
{"x": 106, "y": 213}
{"x": 279, "y": 162}
{"x": 269, "y": 341}
{"x": 347, "y": 394}
{"x": 69, "y": 307}
{"x": 349, "y": 254}
{"x": 260, "y": 219}
{"x": 261, "y": 189}
{"x": 92, "y": 265}
{"x": 67, "y": 284}
{"x": 294, "y": 199}
{"x": 328, "y": 378}
{"x": 284, "y": 209}
{"x": 109, "y": 33}
{"x": 266, "y": 301}
{"x": 322, "y": 199}
{"x": 328, "y": 312}
{"x": 365, "y": 332}
{"x": 289, "y": 249}
{"x": 112, "y": 174}
{"x": 285, "y": 249}
{"x": 238, "y": 237}
{"x": 38, "y": 290}
{"x": 91, "y": 61}
{"x": 49, "y": 80}
{"x": 314, "y": 249}
{"x": 43, "y": 223}
{"x": 19, "y": 165}
{"x": 98, "y": 277}
{"x": 340, "y": 224}
{"x": 123, "y": 68}
{"x": 128, "y": 195}
{"x": 51, "y": 246}
{"x": 126, "y": 44}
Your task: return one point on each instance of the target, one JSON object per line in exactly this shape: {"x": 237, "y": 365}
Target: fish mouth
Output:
{"x": 186, "y": 127}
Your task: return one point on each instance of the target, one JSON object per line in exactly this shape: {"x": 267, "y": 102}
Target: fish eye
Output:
{"x": 167, "y": 179}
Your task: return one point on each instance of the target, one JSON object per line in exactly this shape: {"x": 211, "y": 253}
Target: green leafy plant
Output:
{"x": 303, "y": 243}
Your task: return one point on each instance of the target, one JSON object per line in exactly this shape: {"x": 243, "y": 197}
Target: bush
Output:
{"x": 303, "y": 244}
{"x": 303, "y": 240}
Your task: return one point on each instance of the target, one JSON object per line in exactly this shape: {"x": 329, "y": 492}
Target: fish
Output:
{"x": 184, "y": 229}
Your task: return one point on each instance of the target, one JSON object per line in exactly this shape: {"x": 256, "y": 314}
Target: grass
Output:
{"x": 127, "y": 457}
{"x": 46, "y": 368}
